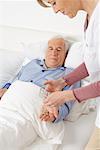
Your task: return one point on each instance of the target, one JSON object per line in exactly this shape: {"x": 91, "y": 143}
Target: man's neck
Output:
{"x": 48, "y": 67}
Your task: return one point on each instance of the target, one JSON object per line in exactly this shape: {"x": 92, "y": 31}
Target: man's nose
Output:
{"x": 54, "y": 52}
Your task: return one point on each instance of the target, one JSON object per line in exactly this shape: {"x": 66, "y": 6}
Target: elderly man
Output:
{"x": 52, "y": 67}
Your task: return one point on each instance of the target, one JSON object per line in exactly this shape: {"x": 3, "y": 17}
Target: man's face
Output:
{"x": 55, "y": 53}
{"x": 66, "y": 7}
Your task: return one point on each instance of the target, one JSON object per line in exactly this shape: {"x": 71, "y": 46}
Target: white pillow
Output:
{"x": 75, "y": 55}
{"x": 34, "y": 50}
{"x": 37, "y": 50}
{"x": 10, "y": 64}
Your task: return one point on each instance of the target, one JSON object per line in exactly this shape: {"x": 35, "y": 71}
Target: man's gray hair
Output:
{"x": 67, "y": 43}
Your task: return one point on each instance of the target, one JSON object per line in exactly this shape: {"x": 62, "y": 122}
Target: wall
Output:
{"x": 29, "y": 14}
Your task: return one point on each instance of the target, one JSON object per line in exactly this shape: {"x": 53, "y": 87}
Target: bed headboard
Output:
{"x": 12, "y": 37}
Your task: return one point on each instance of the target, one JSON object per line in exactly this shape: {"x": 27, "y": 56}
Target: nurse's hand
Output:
{"x": 55, "y": 85}
{"x": 58, "y": 98}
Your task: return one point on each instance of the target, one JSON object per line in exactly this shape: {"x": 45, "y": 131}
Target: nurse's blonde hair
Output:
{"x": 43, "y": 3}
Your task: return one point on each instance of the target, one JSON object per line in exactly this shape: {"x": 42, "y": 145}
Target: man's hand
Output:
{"x": 48, "y": 117}
{"x": 2, "y": 91}
{"x": 49, "y": 113}
{"x": 55, "y": 85}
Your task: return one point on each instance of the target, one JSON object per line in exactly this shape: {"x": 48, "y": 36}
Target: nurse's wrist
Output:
{"x": 63, "y": 82}
{"x": 69, "y": 95}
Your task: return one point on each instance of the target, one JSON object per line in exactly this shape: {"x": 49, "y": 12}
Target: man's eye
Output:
{"x": 59, "y": 49}
{"x": 50, "y": 48}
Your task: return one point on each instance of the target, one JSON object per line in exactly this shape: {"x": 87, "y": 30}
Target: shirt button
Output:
{"x": 43, "y": 70}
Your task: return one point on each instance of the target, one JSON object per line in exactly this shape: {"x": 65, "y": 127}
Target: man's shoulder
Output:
{"x": 34, "y": 61}
{"x": 68, "y": 70}
{"x": 32, "y": 64}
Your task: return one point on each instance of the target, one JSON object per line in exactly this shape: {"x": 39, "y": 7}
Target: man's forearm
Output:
{"x": 2, "y": 91}
{"x": 63, "y": 112}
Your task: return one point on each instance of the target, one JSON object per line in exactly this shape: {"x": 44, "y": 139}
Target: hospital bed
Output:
{"x": 13, "y": 41}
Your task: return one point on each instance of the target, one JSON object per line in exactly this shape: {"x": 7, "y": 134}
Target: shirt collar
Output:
{"x": 42, "y": 63}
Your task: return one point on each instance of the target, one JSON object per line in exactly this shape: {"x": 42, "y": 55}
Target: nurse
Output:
{"x": 90, "y": 66}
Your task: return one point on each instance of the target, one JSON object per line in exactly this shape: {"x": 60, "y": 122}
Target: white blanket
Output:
{"x": 20, "y": 108}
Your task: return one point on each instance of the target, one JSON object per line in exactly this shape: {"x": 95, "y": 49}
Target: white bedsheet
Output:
{"x": 76, "y": 135}
{"x": 19, "y": 118}
{"x": 21, "y": 129}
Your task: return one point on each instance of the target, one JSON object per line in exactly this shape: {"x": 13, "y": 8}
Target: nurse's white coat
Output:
{"x": 92, "y": 50}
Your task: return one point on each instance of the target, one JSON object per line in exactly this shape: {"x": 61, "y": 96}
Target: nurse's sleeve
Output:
{"x": 76, "y": 75}
{"x": 87, "y": 92}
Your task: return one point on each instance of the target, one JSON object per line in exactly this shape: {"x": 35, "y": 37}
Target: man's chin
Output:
{"x": 52, "y": 65}
{"x": 53, "y": 61}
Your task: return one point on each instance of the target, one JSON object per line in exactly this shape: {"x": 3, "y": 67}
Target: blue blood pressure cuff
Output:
{"x": 7, "y": 85}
